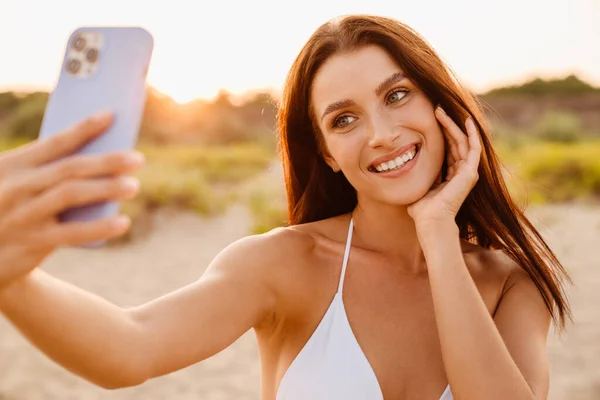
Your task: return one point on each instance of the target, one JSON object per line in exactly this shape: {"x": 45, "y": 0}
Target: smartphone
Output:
{"x": 103, "y": 69}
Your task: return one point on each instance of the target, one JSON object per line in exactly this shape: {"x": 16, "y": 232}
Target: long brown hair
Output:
{"x": 489, "y": 217}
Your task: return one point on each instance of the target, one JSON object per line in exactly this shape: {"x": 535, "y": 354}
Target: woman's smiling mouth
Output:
{"x": 399, "y": 163}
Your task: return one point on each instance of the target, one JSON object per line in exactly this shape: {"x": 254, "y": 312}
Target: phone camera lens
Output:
{"x": 73, "y": 66}
{"x": 91, "y": 55}
{"x": 79, "y": 43}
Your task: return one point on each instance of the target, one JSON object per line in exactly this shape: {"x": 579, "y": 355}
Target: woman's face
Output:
{"x": 373, "y": 119}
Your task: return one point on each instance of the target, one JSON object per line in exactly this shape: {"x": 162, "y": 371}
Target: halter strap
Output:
{"x": 346, "y": 254}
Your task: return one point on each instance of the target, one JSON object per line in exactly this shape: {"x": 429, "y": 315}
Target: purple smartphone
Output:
{"x": 104, "y": 68}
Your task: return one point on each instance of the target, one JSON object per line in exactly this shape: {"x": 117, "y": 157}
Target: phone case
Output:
{"x": 104, "y": 68}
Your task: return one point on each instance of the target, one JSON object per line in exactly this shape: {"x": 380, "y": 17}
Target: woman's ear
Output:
{"x": 324, "y": 152}
{"x": 331, "y": 162}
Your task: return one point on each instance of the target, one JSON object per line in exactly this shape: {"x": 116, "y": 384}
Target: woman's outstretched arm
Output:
{"x": 115, "y": 347}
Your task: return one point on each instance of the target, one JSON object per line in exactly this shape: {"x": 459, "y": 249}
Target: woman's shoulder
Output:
{"x": 493, "y": 270}
{"x": 285, "y": 260}
{"x": 298, "y": 239}
{"x": 494, "y": 263}
{"x": 283, "y": 246}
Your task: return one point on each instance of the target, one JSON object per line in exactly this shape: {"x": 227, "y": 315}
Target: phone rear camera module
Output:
{"x": 79, "y": 43}
{"x": 73, "y": 66}
{"x": 91, "y": 55}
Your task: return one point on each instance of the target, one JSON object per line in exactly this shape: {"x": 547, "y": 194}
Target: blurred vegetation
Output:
{"x": 559, "y": 126}
{"x": 552, "y": 171}
{"x": 541, "y": 87}
{"x": 201, "y": 153}
{"x": 21, "y": 116}
{"x": 556, "y": 109}
{"x": 164, "y": 121}
{"x": 220, "y": 121}
{"x": 217, "y": 163}
{"x": 268, "y": 208}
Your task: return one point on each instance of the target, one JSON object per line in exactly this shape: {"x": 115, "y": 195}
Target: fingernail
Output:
{"x": 135, "y": 158}
{"x": 121, "y": 222}
{"x": 442, "y": 110}
{"x": 130, "y": 184}
{"x": 101, "y": 116}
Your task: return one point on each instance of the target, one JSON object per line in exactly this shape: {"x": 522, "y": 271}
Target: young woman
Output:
{"x": 406, "y": 272}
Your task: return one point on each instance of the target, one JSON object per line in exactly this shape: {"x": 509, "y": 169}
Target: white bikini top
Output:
{"x": 331, "y": 365}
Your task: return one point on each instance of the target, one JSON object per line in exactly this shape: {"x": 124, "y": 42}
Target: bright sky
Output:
{"x": 201, "y": 46}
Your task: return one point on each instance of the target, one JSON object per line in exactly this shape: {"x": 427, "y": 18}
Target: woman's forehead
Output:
{"x": 351, "y": 74}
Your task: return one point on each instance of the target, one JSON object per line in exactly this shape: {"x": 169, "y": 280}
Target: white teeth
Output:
{"x": 397, "y": 162}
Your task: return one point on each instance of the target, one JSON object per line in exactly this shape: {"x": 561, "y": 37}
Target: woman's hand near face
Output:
{"x": 444, "y": 199}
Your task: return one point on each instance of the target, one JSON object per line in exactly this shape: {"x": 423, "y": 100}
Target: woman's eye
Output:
{"x": 396, "y": 95}
{"x": 343, "y": 121}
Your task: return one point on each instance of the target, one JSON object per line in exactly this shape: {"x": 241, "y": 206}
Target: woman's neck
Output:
{"x": 390, "y": 231}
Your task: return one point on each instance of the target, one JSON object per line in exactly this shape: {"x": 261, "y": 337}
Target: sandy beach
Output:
{"x": 177, "y": 254}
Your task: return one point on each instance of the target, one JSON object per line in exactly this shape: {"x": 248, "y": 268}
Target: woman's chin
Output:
{"x": 406, "y": 197}
{"x": 404, "y": 194}
{"x": 401, "y": 199}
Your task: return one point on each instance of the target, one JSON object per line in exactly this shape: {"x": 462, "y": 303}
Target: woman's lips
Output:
{"x": 404, "y": 169}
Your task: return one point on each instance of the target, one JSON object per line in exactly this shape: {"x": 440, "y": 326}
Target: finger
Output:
{"x": 455, "y": 133}
{"x": 449, "y": 160}
{"x": 74, "y": 193}
{"x": 27, "y": 183}
{"x": 474, "y": 154}
{"x": 82, "y": 166}
{"x": 449, "y": 139}
{"x": 76, "y": 233}
{"x": 450, "y": 153}
{"x": 64, "y": 143}
{"x": 459, "y": 186}
{"x": 451, "y": 172}
{"x": 451, "y": 149}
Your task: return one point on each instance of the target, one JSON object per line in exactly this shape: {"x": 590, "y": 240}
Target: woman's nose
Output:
{"x": 382, "y": 132}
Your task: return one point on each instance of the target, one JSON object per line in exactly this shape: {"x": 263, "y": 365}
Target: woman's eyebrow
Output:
{"x": 336, "y": 106}
{"x": 389, "y": 82}
{"x": 383, "y": 86}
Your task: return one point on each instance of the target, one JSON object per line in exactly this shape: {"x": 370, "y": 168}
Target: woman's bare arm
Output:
{"x": 493, "y": 358}
{"x": 115, "y": 347}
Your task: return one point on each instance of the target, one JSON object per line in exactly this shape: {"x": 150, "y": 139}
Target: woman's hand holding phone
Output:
{"x": 40, "y": 180}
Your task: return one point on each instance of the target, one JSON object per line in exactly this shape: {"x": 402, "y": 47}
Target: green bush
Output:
{"x": 559, "y": 126}
{"x": 26, "y": 120}
{"x": 567, "y": 179}
{"x": 267, "y": 211}
{"x": 218, "y": 164}
{"x": 569, "y": 85}
{"x": 164, "y": 184}
{"x": 8, "y": 102}
{"x": 198, "y": 178}
{"x": 555, "y": 172}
